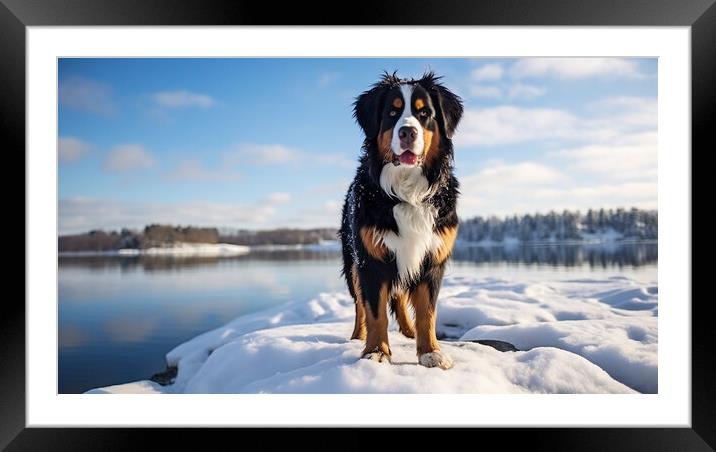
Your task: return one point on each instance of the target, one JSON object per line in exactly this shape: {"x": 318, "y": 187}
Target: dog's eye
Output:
{"x": 393, "y": 112}
{"x": 424, "y": 113}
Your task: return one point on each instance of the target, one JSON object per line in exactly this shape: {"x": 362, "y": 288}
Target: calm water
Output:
{"x": 119, "y": 316}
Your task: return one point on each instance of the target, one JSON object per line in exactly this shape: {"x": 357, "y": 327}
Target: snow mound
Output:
{"x": 627, "y": 351}
{"x": 191, "y": 249}
{"x": 318, "y": 358}
{"x": 576, "y": 336}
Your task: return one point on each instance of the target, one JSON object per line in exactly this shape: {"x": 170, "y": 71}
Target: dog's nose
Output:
{"x": 407, "y": 134}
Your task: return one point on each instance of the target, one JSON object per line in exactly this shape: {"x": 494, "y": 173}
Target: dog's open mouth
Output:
{"x": 406, "y": 158}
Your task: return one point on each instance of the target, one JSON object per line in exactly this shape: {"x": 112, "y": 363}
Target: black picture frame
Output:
{"x": 16, "y": 15}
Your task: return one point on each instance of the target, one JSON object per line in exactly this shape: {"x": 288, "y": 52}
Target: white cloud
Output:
{"x": 320, "y": 214}
{"x": 339, "y": 188}
{"x": 195, "y": 171}
{"x": 630, "y": 111}
{"x": 277, "y": 154}
{"x": 182, "y": 98}
{"x": 522, "y": 91}
{"x": 278, "y": 198}
{"x": 626, "y": 194}
{"x": 528, "y": 187}
{"x": 71, "y": 149}
{"x": 500, "y": 188}
{"x": 607, "y": 158}
{"x": 610, "y": 121}
{"x": 486, "y": 91}
{"x": 335, "y": 160}
{"x": 128, "y": 157}
{"x": 520, "y": 174}
{"x": 518, "y": 91}
{"x": 487, "y": 72}
{"x": 79, "y": 93}
{"x": 262, "y": 154}
{"x": 575, "y": 68}
{"x": 508, "y": 125}
{"x": 634, "y": 157}
{"x": 84, "y": 214}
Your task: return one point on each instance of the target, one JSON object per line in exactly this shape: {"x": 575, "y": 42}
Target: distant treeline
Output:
{"x": 568, "y": 225}
{"x": 277, "y": 236}
{"x": 157, "y": 235}
{"x": 617, "y": 224}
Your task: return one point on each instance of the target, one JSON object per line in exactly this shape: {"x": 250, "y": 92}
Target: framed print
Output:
{"x": 204, "y": 237}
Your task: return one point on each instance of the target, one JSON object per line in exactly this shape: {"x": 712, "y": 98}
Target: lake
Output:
{"x": 119, "y": 316}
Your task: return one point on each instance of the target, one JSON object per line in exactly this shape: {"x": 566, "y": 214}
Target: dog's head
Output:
{"x": 410, "y": 121}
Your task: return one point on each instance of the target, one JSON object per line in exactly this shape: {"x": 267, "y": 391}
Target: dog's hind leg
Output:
{"x": 359, "y": 328}
{"x": 399, "y": 306}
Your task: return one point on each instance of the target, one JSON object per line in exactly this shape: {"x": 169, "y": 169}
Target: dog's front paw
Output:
{"x": 377, "y": 356}
{"x": 436, "y": 359}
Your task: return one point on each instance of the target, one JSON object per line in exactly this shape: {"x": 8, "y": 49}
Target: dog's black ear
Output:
{"x": 451, "y": 107}
{"x": 448, "y": 103}
{"x": 367, "y": 110}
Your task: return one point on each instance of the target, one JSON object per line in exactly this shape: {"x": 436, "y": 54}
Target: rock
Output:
{"x": 501, "y": 346}
{"x": 166, "y": 377}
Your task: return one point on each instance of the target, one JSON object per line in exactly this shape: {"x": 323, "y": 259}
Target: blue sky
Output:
{"x": 262, "y": 143}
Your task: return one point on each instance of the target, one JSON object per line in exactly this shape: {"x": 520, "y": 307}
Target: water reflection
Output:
{"x": 595, "y": 256}
{"x": 71, "y": 336}
{"x": 164, "y": 263}
{"x": 130, "y": 329}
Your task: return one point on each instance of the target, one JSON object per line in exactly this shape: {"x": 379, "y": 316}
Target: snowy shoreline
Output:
{"x": 202, "y": 249}
{"x": 595, "y": 334}
{"x": 180, "y": 249}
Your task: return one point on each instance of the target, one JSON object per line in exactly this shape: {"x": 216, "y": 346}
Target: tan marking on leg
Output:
{"x": 373, "y": 243}
{"x": 447, "y": 236}
{"x": 400, "y": 306}
{"x": 377, "y": 338}
{"x": 424, "y": 320}
{"x": 359, "y": 331}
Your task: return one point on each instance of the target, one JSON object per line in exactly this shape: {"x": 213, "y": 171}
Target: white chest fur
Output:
{"x": 415, "y": 238}
{"x": 414, "y": 216}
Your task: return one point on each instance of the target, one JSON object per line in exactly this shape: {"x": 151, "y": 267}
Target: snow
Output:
{"x": 178, "y": 249}
{"x": 139, "y": 387}
{"x": 197, "y": 249}
{"x": 322, "y": 245}
{"x": 576, "y": 335}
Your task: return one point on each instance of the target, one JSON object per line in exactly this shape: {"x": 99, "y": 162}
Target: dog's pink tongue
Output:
{"x": 408, "y": 158}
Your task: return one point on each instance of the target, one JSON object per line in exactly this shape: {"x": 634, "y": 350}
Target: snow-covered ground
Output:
{"x": 179, "y": 249}
{"x": 206, "y": 249}
{"x": 593, "y": 334}
{"x": 323, "y": 245}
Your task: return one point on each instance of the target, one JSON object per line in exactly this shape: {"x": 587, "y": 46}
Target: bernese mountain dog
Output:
{"x": 399, "y": 222}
